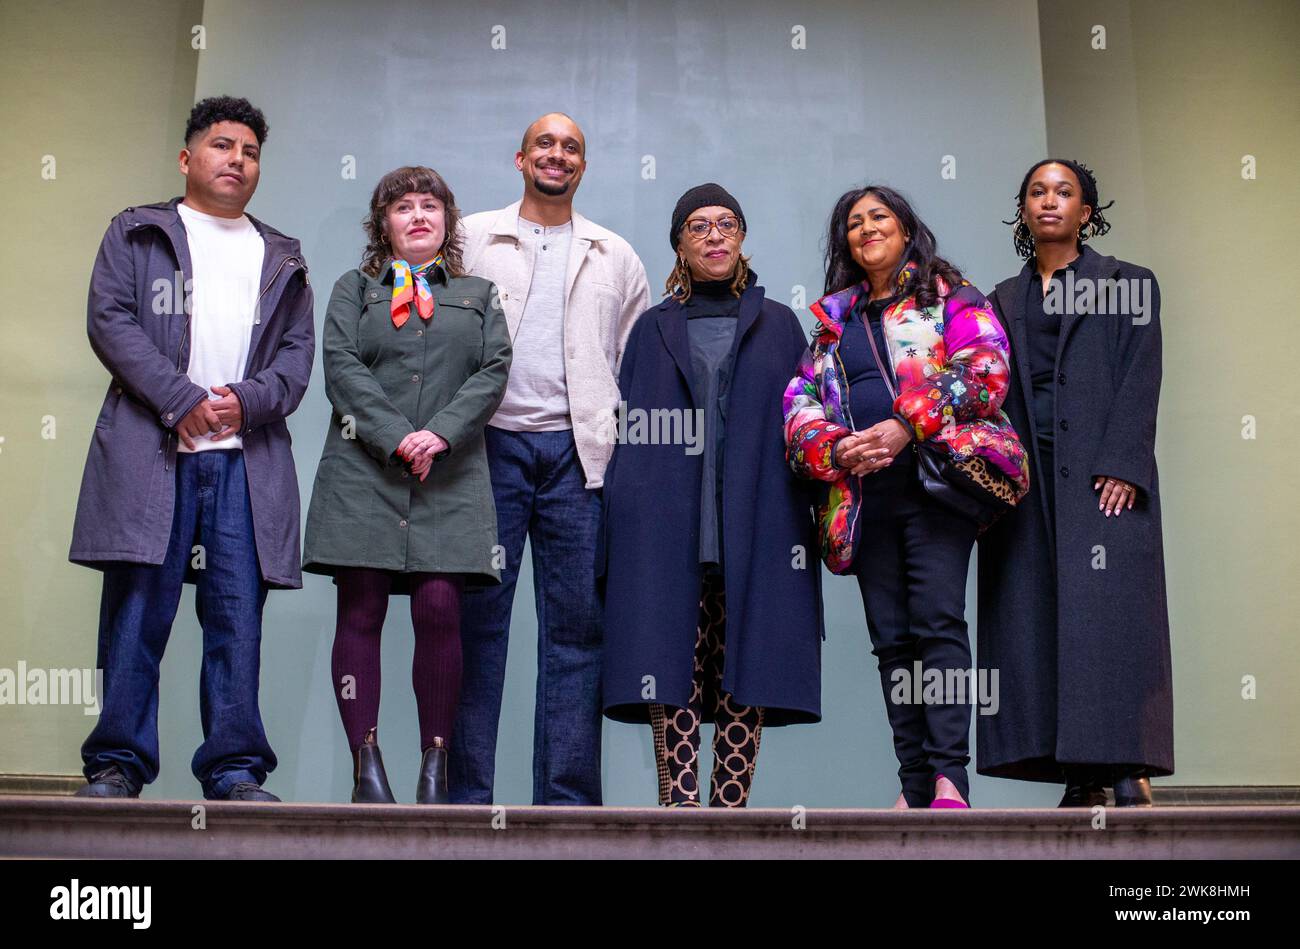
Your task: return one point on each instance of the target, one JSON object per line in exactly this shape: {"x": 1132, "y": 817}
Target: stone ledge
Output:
{"x": 77, "y": 828}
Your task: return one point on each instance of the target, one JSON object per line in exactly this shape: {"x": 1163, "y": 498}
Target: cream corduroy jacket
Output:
{"x": 605, "y": 292}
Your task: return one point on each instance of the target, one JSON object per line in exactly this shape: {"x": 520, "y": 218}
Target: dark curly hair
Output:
{"x": 225, "y": 109}
{"x": 1097, "y": 225}
{"x": 842, "y": 270}
{"x": 391, "y": 187}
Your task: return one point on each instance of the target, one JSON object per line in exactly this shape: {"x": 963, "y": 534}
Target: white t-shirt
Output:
{"x": 226, "y": 256}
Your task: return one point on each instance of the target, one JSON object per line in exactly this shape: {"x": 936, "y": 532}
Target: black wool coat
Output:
{"x": 648, "y": 552}
{"x": 1072, "y": 611}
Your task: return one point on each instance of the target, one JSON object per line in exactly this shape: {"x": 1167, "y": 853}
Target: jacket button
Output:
{"x": 465, "y": 302}
{"x": 415, "y": 377}
{"x": 1065, "y": 426}
{"x": 401, "y": 523}
{"x": 170, "y": 416}
{"x": 419, "y": 332}
{"x": 1065, "y": 471}
{"x": 405, "y": 473}
{"x": 117, "y": 389}
{"x": 1060, "y": 378}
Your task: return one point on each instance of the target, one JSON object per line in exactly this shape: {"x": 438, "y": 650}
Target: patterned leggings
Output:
{"x": 676, "y": 731}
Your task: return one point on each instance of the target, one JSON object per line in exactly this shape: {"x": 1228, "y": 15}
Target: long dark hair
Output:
{"x": 394, "y": 185}
{"x": 1023, "y": 239}
{"x": 843, "y": 271}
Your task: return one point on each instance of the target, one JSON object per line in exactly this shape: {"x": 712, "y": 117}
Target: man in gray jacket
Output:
{"x": 571, "y": 291}
{"x": 203, "y": 316}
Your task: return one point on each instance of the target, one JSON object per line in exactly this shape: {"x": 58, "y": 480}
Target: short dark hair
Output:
{"x": 225, "y": 109}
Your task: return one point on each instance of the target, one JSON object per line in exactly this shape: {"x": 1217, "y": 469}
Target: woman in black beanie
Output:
{"x": 708, "y": 553}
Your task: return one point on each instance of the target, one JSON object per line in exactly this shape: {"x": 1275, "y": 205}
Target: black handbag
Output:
{"x": 972, "y": 487}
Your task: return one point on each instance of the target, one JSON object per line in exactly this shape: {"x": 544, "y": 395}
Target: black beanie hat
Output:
{"x": 702, "y": 196}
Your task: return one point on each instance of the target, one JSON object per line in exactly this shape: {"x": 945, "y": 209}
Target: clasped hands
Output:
{"x": 418, "y": 450}
{"x": 873, "y": 448}
{"x": 217, "y": 418}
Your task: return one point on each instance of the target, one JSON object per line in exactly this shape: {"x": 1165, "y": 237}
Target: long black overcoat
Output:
{"x": 649, "y": 548}
{"x": 1072, "y": 611}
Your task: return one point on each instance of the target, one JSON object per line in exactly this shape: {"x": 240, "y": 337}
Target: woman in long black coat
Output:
{"x": 1072, "y": 608}
{"x": 712, "y": 584}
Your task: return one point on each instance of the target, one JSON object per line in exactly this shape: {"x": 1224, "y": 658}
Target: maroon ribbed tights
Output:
{"x": 436, "y": 669}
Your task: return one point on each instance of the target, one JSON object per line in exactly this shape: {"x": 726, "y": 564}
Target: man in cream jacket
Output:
{"x": 571, "y": 291}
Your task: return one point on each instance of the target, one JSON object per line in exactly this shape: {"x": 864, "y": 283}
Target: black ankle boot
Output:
{"x": 1083, "y": 788}
{"x": 1132, "y": 789}
{"x": 370, "y": 783}
{"x": 432, "y": 787}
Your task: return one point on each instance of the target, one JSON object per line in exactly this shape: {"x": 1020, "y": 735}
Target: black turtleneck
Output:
{"x": 711, "y": 314}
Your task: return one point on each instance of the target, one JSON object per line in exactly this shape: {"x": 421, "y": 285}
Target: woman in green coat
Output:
{"x": 416, "y": 354}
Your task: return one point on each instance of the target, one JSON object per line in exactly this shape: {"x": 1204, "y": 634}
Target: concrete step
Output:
{"x": 47, "y": 826}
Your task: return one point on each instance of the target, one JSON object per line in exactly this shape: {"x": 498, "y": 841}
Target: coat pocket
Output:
{"x": 108, "y": 411}
{"x": 609, "y": 305}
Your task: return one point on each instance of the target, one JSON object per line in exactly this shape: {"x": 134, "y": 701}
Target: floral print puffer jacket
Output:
{"x": 951, "y": 362}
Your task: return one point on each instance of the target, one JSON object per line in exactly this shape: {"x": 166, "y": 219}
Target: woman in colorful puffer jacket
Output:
{"x": 945, "y": 356}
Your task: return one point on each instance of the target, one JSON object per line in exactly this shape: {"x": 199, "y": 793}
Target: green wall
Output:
{"x": 106, "y": 90}
{"x": 1163, "y": 114}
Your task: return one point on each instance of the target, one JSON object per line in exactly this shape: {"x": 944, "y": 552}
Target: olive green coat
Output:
{"x": 446, "y": 376}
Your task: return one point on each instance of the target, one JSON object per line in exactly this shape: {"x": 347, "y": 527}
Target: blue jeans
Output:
{"x": 135, "y": 619}
{"x": 540, "y": 493}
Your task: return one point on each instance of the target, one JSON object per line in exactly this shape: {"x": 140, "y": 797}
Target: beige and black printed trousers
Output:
{"x": 676, "y": 731}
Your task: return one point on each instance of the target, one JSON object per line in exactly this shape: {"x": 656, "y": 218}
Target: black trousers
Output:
{"x": 911, "y": 564}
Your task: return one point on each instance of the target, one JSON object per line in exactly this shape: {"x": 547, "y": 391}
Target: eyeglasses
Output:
{"x": 699, "y": 228}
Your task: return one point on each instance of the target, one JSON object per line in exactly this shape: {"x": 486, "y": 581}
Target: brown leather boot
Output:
{"x": 369, "y": 782}
{"x": 432, "y": 786}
